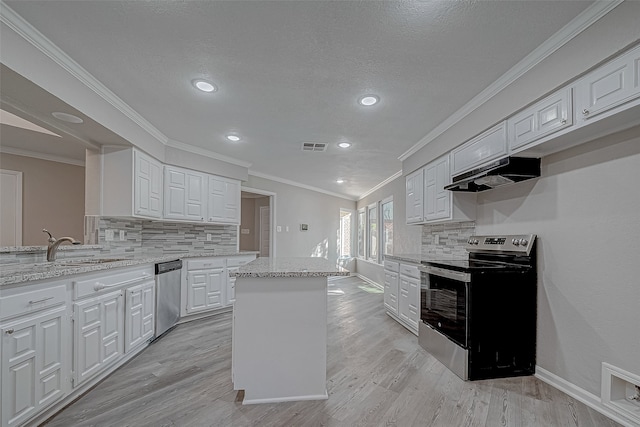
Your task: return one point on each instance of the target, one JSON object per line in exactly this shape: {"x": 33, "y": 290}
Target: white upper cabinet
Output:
{"x": 184, "y": 194}
{"x": 609, "y": 86}
{"x": 147, "y": 186}
{"x": 487, "y": 146}
{"x": 414, "y": 197}
{"x": 223, "y": 200}
{"x": 131, "y": 183}
{"x": 545, "y": 117}
{"x": 437, "y": 200}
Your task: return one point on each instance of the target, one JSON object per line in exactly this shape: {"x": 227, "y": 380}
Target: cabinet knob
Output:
{"x": 9, "y": 331}
{"x": 585, "y": 112}
{"x": 563, "y": 121}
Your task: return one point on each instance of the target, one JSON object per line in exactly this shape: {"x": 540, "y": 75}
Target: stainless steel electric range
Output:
{"x": 478, "y": 316}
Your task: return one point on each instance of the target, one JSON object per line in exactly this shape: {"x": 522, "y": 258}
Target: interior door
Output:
{"x": 11, "y": 208}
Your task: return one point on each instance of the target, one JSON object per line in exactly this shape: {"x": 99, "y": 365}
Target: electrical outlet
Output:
{"x": 279, "y": 228}
{"x": 436, "y": 239}
{"x": 208, "y": 237}
{"x": 108, "y": 235}
{"x": 287, "y": 228}
{"x": 121, "y": 235}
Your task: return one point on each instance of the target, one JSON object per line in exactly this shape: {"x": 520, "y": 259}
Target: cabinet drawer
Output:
{"x": 391, "y": 265}
{"x": 409, "y": 270}
{"x": 240, "y": 260}
{"x": 205, "y": 264}
{"x": 95, "y": 283}
{"x": 32, "y": 301}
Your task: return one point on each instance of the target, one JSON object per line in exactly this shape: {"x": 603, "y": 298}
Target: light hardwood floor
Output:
{"x": 377, "y": 375}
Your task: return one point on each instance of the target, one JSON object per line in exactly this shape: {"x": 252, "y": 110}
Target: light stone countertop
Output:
{"x": 13, "y": 274}
{"x": 290, "y": 267}
{"x": 419, "y": 258}
{"x": 29, "y": 249}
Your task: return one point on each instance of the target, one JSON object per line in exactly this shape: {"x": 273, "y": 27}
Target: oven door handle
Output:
{"x": 447, "y": 274}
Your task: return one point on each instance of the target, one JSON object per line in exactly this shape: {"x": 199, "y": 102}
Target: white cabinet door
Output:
{"x": 437, "y": 200}
{"x": 148, "y": 186}
{"x": 487, "y": 146}
{"x": 414, "y": 197}
{"x": 99, "y": 334}
{"x": 184, "y": 194}
{"x": 230, "y": 296}
{"x": 413, "y": 301}
{"x": 404, "y": 300}
{"x": 550, "y": 115}
{"x": 223, "y": 200}
{"x": 35, "y": 364}
{"x": 391, "y": 291}
{"x": 139, "y": 314}
{"x": 609, "y": 86}
{"x": 205, "y": 288}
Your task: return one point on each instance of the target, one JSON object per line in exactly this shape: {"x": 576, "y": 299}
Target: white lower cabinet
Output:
{"x": 233, "y": 264}
{"x": 206, "y": 280}
{"x": 402, "y": 293}
{"x": 99, "y": 334}
{"x": 140, "y": 314}
{"x": 35, "y": 363}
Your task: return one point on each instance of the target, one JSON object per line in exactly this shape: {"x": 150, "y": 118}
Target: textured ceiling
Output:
{"x": 291, "y": 71}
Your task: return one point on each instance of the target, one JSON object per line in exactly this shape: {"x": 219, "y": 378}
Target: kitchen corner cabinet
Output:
{"x": 543, "y": 118}
{"x": 608, "y": 87}
{"x": 391, "y": 277}
{"x": 414, "y": 197}
{"x": 131, "y": 183}
{"x": 206, "y": 279}
{"x": 184, "y": 194}
{"x": 223, "y": 200}
{"x": 35, "y": 350}
{"x": 489, "y": 145}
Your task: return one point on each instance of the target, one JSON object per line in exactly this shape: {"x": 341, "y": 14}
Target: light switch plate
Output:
{"x": 108, "y": 235}
{"x": 121, "y": 235}
{"x": 245, "y": 231}
{"x": 208, "y": 237}
{"x": 279, "y": 228}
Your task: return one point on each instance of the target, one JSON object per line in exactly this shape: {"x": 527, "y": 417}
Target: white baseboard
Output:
{"x": 369, "y": 281}
{"x": 589, "y": 399}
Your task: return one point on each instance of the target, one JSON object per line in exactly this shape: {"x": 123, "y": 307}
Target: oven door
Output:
{"x": 444, "y": 300}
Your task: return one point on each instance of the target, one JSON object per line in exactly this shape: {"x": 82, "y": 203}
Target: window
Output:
{"x": 345, "y": 234}
{"x": 387, "y": 226}
{"x": 361, "y": 232}
{"x": 373, "y": 232}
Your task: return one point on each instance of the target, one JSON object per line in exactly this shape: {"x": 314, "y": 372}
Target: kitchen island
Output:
{"x": 280, "y": 329}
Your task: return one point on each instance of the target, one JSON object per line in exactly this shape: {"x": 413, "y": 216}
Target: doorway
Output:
{"x": 11, "y": 209}
{"x": 256, "y": 222}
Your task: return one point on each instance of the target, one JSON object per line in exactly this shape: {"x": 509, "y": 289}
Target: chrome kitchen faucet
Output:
{"x": 54, "y": 243}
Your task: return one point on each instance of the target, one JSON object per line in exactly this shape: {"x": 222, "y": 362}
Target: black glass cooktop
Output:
{"x": 476, "y": 265}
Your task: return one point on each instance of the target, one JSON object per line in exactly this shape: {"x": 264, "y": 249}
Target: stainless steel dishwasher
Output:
{"x": 168, "y": 279}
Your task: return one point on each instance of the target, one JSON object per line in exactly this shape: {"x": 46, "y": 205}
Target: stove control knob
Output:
{"x": 515, "y": 242}
{"x": 470, "y": 241}
{"x": 475, "y": 241}
{"x": 524, "y": 242}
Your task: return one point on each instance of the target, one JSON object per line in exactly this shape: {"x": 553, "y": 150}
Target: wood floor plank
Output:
{"x": 377, "y": 375}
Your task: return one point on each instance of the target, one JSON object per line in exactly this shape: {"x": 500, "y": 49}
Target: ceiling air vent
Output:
{"x": 314, "y": 146}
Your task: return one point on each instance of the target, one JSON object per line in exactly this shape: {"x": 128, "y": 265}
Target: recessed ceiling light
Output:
{"x": 65, "y": 117}
{"x": 204, "y": 85}
{"x": 369, "y": 100}
{"x": 344, "y": 144}
{"x": 340, "y": 181}
{"x": 233, "y": 138}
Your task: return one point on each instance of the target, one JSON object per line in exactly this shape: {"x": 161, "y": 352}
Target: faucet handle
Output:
{"x": 51, "y": 238}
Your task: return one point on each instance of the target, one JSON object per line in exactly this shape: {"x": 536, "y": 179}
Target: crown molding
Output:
{"x": 297, "y": 184}
{"x": 382, "y": 184}
{"x": 204, "y": 152}
{"x": 577, "y": 25}
{"x": 41, "y": 156}
{"x": 28, "y": 32}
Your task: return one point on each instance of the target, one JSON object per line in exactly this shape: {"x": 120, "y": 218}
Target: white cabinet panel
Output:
{"x": 487, "y": 146}
{"x": 148, "y": 186}
{"x": 99, "y": 334}
{"x": 139, "y": 316}
{"x": 609, "y": 86}
{"x": 184, "y": 194}
{"x": 205, "y": 288}
{"x": 437, "y": 200}
{"x": 545, "y": 117}
{"x": 35, "y": 364}
{"x": 223, "y": 200}
{"x": 414, "y": 197}
{"x": 391, "y": 291}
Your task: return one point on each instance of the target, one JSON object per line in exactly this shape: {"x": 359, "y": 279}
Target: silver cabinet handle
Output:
{"x": 563, "y": 121}
{"x": 9, "y": 331}
{"x": 585, "y": 112}
{"x": 40, "y": 300}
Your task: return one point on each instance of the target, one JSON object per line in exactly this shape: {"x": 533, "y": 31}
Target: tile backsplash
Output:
{"x": 447, "y": 239}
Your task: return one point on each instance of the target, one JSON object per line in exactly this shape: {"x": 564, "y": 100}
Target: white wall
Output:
{"x": 295, "y": 206}
{"x": 586, "y": 211}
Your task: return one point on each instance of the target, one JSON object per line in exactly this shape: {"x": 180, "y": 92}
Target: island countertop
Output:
{"x": 290, "y": 267}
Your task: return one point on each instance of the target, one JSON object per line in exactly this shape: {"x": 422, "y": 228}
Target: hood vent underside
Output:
{"x": 495, "y": 174}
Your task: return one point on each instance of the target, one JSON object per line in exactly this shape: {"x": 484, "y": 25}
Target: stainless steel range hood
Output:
{"x": 495, "y": 174}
